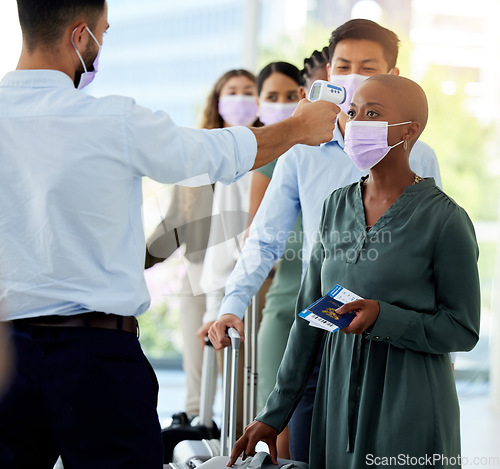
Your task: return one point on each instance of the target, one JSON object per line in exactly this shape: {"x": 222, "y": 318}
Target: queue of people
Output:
{"x": 351, "y": 180}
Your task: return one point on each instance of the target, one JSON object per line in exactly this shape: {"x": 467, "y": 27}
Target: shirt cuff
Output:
{"x": 246, "y": 144}
{"x": 233, "y": 305}
{"x": 390, "y": 324}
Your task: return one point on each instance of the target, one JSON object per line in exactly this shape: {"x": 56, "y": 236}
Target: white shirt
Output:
{"x": 71, "y": 196}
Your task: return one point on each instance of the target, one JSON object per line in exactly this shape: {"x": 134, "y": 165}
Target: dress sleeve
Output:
{"x": 301, "y": 351}
{"x": 268, "y": 169}
{"x": 454, "y": 326}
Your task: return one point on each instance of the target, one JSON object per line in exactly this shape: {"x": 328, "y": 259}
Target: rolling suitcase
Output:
{"x": 201, "y": 427}
{"x": 261, "y": 460}
{"x": 203, "y": 456}
{"x": 189, "y": 451}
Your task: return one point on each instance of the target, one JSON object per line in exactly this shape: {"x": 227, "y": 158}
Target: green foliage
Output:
{"x": 464, "y": 145}
{"x": 295, "y": 49}
{"x": 159, "y": 331}
{"x": 460, "y": 141}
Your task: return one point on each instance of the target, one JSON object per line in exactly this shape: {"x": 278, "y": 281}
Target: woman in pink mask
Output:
{"x": 232, "y": 101}
{"x": 279, "y": 88}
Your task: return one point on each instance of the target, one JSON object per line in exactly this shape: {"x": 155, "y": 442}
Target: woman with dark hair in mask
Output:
{"x": 279, "y": 91}
{"x": 279, "y": 88}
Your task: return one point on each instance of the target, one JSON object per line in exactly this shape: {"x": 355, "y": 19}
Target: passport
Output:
{"x": 322, "y": 312}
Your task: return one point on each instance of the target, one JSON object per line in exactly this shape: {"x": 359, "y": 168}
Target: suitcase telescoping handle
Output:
{"x": 230, "y": 392}
{"x": 250, "y": 358}
{"x": 207, "y": 384}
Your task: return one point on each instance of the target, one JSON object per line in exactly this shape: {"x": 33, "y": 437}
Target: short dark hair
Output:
{"x": 285, "y": 68}
{"x": 366, "y": 29}
{"x": 317, "y": 60}
{"x": 43, "y": 21}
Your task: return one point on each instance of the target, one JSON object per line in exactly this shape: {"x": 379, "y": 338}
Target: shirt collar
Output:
{"x": 337, "y": 136}
{"x": 36, "y": 79}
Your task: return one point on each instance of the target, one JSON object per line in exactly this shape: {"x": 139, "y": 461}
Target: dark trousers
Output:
{"x": 300, "y": 424}
{"x": 88, "y": 395}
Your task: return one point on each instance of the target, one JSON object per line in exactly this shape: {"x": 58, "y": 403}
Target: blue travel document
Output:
{"x": 322, "y": 312}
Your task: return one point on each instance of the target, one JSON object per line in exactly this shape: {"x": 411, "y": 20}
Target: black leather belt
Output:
{"x": 94, "y": 319}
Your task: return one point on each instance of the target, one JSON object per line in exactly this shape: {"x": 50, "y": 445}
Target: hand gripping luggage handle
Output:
{"x": 230, "y": 393}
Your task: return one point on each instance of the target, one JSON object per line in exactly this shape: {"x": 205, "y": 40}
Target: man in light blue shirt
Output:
{"x": 72, "y": 243}
{"x": 304, "y": 177}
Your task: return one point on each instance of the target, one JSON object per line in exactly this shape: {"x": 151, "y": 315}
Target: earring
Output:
{"x": 405, "y": 144}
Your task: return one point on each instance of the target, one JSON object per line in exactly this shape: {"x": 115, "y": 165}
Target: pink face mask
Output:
{"x": 270, "y": 113}
{"x": 238, "y": 109}
{"x": 350, "y": 83}
{"x": 366, "y": 142}
{"x": 87, "y": 77}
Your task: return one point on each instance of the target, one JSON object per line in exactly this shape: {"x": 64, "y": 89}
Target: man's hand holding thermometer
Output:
{"x": 320, "y": 92}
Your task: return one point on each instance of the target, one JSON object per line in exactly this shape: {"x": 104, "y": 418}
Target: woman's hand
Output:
{"x": 255, "y": 432}
{"x": 202, "y": 332}
{"x": 366, "y": 315}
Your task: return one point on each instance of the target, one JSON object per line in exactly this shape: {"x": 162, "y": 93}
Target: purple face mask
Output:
{"x": 270, "y": 113}
{"x": 238, "y": 109}
{"x": 350, "y": 83}
{"x": 366, "y": 142}
{"x": 87, "y": 77}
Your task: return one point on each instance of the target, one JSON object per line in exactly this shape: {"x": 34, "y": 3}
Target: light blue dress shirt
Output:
{"x": 303, "y": 178}
{"x": 71, "y": 229}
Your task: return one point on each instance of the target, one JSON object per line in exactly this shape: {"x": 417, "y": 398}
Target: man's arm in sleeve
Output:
{"x": 265, "y": 244}
{"x": 311, "y": 124}
{"x": 168, "y": 153}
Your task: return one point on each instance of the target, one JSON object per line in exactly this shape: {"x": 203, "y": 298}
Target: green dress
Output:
{"x": 386, "y": 398}
{"x": 279, "y": 311}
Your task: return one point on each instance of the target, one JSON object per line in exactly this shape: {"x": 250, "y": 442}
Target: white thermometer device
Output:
{"x": 326, "y": 91}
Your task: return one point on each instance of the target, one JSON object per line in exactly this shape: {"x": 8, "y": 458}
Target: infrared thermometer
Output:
{"x": 326, "y": 91}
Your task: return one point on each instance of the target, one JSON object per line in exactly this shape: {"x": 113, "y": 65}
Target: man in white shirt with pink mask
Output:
{"x": 302, "y": 180}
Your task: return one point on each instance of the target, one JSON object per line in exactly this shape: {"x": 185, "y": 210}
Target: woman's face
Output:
{"x": 374, "y": 101}
{"x": 279, "y": 88}
{"x": 238, "y": 101}
{"x": 239, "y": 85}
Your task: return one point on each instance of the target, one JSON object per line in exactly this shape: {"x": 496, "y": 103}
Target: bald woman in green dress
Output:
{"x": 386, "y": 394}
